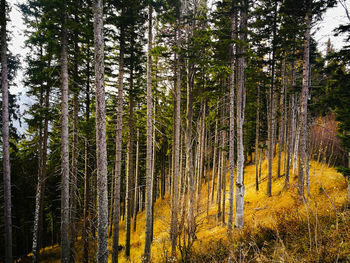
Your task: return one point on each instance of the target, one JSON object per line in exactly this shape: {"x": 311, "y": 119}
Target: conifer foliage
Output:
{"x": 139, "y": 107}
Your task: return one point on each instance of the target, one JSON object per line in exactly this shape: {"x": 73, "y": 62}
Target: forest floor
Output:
{"x": 282, "y": 228}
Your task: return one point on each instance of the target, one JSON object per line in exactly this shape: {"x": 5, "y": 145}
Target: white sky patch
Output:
{"x": 325, "y": 29}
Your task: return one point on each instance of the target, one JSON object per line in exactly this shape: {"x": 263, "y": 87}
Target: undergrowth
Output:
{"x": 282, "y": 228}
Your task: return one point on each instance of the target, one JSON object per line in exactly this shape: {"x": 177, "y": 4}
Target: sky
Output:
{"x": 322, "y": 31}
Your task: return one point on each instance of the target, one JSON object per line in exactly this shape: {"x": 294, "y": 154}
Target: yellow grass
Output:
{"x": 327, "y": 188}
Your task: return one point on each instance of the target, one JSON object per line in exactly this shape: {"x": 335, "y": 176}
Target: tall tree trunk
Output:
{"x": 38, "y": 204}
{"x": 296, "y": 136}
{"x": 223, "y": 172}
{"x": 64, "y": 144}
{"x": 101, "y": 149}
{"x": 240, "y": 189}
{"x": 232, "y": 121}
{"x": 154, "y": 174}
{"x": 85, "y": 234}
{"x": 214, "y": 159}
{"x": 148, "y": 230}
{"x": 174, "y": 197}
{"x": 303, "y": 101}
{"x": 39, "y": 198}
{"x": 118, "y": 156}
{"x": 189, "y": 157}
{"x": 271, "y": 116}
{"x": 129, "y": 169}
{"x": 219, "y": 182}
{"x": 137, "y": 187}
{"x": 257, "y": 133}
{"x": 290, "y": 139}
{"x": 282, "y": 120}
{"x": 5, "y": 137}
{"x": 73, "y": 184}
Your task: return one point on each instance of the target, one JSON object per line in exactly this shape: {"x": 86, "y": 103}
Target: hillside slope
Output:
{"x": 281, "y": 228}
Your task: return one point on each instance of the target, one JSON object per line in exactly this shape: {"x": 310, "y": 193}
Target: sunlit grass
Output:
{"x": 328, "y": 194}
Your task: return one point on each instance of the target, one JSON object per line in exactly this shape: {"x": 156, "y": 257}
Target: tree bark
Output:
{"x": 219, "y": 181}
{"x": 303, "y": 101}
{"x": 257, "y": 133}
{"x": 232, "y": 121}
{"x": 215, "y": 157}
{"x": 101, "y": 149}
{"x": 129, "y": 170}
{"x": 290, "y": 139}
{"x": 5, "y": 138}
{"x": 64, "y": 144}
{"x": 271, "y": 117}
{"x": 282, "y": 120}
{"x": 223, "y": 172}
{"x": 148, "y": 230}
{"x": 240, "y": 189}
{"x": 73, "y": 184}
{"x": 175, "y": 198}
{"x": 136, "y": 179}
{"x": 85, "y": 234}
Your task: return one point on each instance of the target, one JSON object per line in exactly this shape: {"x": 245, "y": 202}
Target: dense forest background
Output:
{"x": 135, "y": 101}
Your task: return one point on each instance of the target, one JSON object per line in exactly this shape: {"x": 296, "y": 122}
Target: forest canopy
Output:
{"x": 155, "y": 126}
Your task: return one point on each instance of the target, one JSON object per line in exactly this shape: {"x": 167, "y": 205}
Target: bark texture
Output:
{"x": 232, "y": 123}
{"x": 175, "y": 197}
{"x": 101, "y": 149}
{"x": 148, "y": 230}
{"x": 64, "y": 145}
{"x": 118, "y": 157}
{"x": 240, "y": 189}
{"x": 303, "y": 102}
{"x": 5, "y": 138}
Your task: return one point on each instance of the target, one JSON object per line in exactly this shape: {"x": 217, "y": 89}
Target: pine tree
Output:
{"x": 241, "y": 93}
{"x": 102, "y": 194}
{"x": 149, "y": 175}
{"x": 65, "y": 257}
{"x": 5, "y": 136}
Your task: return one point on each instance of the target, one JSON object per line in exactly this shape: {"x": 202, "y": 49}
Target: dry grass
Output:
{"x": 281, "y": 228}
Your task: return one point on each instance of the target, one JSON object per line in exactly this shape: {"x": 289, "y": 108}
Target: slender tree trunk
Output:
{"x": 219, "y": 182}
{"x": 148, "y": 230}
{"x": 38, "y": 204}
{"x": 223, "y": 173}
{"x": 189, "y": 157}
{"x": 290, "y": 139}
{"x": 40, "y": 193}
{"x": 271, "y": 117}
{"x": 129, "y": 170}
{"x": 257, "y": 133}
{"x": 260, "y": 161}
{"x": 175, "y": 198}
{"x": 136, "y": 179}
{"x": 65, "y": 145}
{"x": 102, "y": 186}
{"x": 282, "y": 120}
{"x": 85, "y": 234}
{"x": 240, "y": 189}
{"x": 308, "y": 160}
{"x": 154, "y": 174}
{"x": 111, "y": 204}
{"x": 303, "y": 102}
{"x": 5, "y": 138}
{"x": 118, "y": 159}
{"x": 214, "y": 159}
{"x": 74, "y": 174}
{"x": 297, "y": 128}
